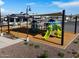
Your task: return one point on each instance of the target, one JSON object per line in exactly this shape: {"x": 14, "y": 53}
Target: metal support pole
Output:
{"x": 8, "y": 19}
{"x": 27, "y": 10}
{"x": 75, "y": 29}
{"x": 0, "y": 20}
{"x": 27, "y": 27}
{"x": 63, "y": 19}
{"x": 1, "y": 28}
{"x": 27, "y": 20}
{"x": 70, "y": 17}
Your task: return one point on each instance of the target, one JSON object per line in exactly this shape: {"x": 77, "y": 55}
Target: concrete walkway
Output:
{"x": 5, "y": 42}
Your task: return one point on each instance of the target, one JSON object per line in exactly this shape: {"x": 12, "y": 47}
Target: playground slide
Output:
{"x": 58, "y": 33}
{"x": 58, "y": 29}
{"x": 48, "y": 33}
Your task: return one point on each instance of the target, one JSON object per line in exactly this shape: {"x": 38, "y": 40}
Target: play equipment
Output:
{"x": 48, "y": 33}
{"x": 34, "y": 25}
{"x": 54, "y": 27}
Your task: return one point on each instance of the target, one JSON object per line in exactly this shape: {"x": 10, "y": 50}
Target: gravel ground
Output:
{"x": 34, "y": 49}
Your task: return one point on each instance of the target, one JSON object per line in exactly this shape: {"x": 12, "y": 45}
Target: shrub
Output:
{"x": 61, "y": 54}
{"x": 77, "y": 38}
{"x": 76, "y": 42}
{"x": 74, "y": 52}
{"x": 25, "y": 43}
{"x": 44, "y": 55}
{"x": 37, "y": 46}
{"x": 31, "y": 44}
{"x": 77, "y": 56}
{"x": 16, "y": 37}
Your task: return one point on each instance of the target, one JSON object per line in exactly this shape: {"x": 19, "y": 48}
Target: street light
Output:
{"x": 28, "y": 9}
{"x": 27, "y": 14}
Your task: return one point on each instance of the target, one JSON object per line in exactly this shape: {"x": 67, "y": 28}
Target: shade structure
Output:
{"x": 63, "y": 19}
{"x": 50, "y": 14}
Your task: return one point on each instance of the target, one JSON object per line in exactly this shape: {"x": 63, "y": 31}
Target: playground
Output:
{"x": 59, "y": 38}
{"x": 52, "y": 41}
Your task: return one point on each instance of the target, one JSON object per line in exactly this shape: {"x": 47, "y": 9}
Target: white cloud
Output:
{"x": 66, "y": 4}
{"x": 1, "y": 2}
{"x": 31, "y": 3}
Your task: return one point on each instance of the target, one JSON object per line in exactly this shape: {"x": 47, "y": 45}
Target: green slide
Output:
{"x": 48, "y": 33}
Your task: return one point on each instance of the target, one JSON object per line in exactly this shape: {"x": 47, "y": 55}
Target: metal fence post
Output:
{"x": 0, "y": 20}
{"x": 63, "y": 18}
{"x": 75, "y": 29}
{"x": 8, "y": 19}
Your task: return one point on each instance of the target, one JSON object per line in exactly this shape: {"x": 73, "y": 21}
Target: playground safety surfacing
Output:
{"x": 52, "y": 41}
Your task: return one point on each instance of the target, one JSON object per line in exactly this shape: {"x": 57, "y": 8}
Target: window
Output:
{"x": 11, "y": 19}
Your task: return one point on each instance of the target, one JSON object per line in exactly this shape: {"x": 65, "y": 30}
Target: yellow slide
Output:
{"x": 58, "y": 33}
{"x": 48, "y": 33}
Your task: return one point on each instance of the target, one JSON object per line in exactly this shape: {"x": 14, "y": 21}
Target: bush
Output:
{"x": 16, "y": 37}
{"x": 61, "y": 54}
{"x": 44, "y": 55}
{"x": 31, "y": 44}
{"x": 74, "y": 52}
{"x": 34, "y": 31}
{"x": 78, "y": 38}
{"x": 77, "y": 56}
{"x": 37, "y": 46}
{"x": 76, "y": 42}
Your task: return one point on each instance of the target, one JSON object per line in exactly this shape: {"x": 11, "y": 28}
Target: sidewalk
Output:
{"x": 5, "y": 42}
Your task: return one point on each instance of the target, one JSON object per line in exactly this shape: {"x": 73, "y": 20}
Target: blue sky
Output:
{"x": 40, "y": 6}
